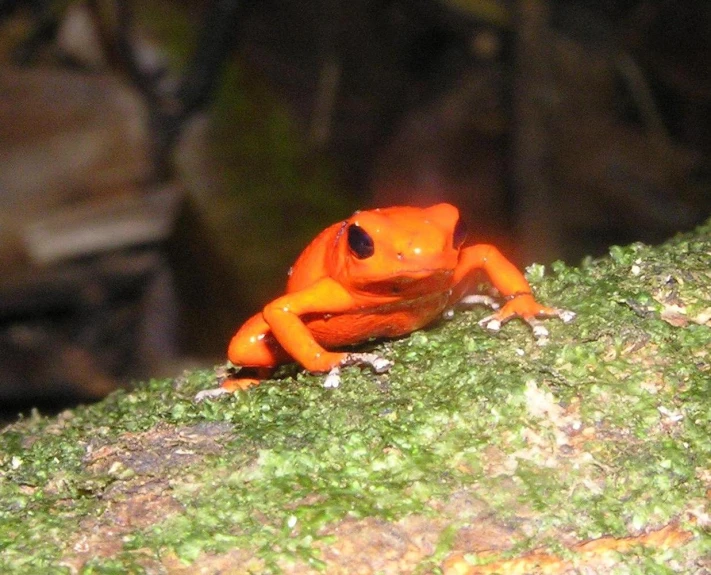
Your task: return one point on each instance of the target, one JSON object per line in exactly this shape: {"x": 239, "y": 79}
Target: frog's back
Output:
{"x": 311, "y": 265}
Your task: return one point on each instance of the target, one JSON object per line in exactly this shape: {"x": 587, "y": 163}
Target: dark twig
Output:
{"x": 169, "y": 108}
{"x": 43, "y": 32}
{"x": 198, "y": 84}
{"x": 531, "y": 138}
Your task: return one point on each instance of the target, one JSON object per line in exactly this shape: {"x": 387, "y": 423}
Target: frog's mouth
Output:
{"x": 411, "y": 283}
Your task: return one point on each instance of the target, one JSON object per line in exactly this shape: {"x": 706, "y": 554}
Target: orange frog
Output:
{"x": 380, "y": 273}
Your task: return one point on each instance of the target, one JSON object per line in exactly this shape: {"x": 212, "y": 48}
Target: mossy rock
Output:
{"x": 476, "y": 447}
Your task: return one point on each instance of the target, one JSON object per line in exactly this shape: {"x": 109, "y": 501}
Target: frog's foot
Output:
{"x": 231, "y": 381}
{"x": 472, "y": 300}
{"x": 529, "y": 312}
{"x": 377, "y": 364}
{"x": 228, "y": 386}
{"x": 210, "y": 394}
{"x": 479, "y": 299}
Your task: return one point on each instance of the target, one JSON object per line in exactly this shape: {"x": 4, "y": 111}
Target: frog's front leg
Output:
{"x": 511, "y": 284}
{"x": 324, "y": 297}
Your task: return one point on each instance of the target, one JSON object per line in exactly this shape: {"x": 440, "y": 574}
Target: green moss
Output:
{"x": 603, "y": 431}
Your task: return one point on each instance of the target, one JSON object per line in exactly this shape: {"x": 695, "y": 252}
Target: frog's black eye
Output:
{"x": 460, "y": 234}
{"x": 360, "y": 242}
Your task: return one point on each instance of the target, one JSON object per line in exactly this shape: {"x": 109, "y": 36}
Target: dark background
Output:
{"x": 162, "y": 163}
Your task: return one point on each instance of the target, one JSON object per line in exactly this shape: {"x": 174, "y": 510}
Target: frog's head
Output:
{"x": 399, "y": 250}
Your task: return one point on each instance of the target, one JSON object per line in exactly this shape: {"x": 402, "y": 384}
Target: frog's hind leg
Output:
{"x": 255, "y": 353}
{"x": 254, "y": 346}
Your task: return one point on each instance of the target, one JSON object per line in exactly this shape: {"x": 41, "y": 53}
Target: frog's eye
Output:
{"x": 360, "y": 242}
{"x": 460, "y": 234}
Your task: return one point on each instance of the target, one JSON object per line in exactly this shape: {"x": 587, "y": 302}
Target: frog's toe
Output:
{"x": 540, "y": 331}
{"x": 491, "y": 322}
{"x": 565, "y": 315}
{"x": 333, "y": 379}
{"x": 210, "y": 394}
{"x": 378, "y": 364}
{"x": 479, "y": 299}
{"x": 381, "y": 365}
